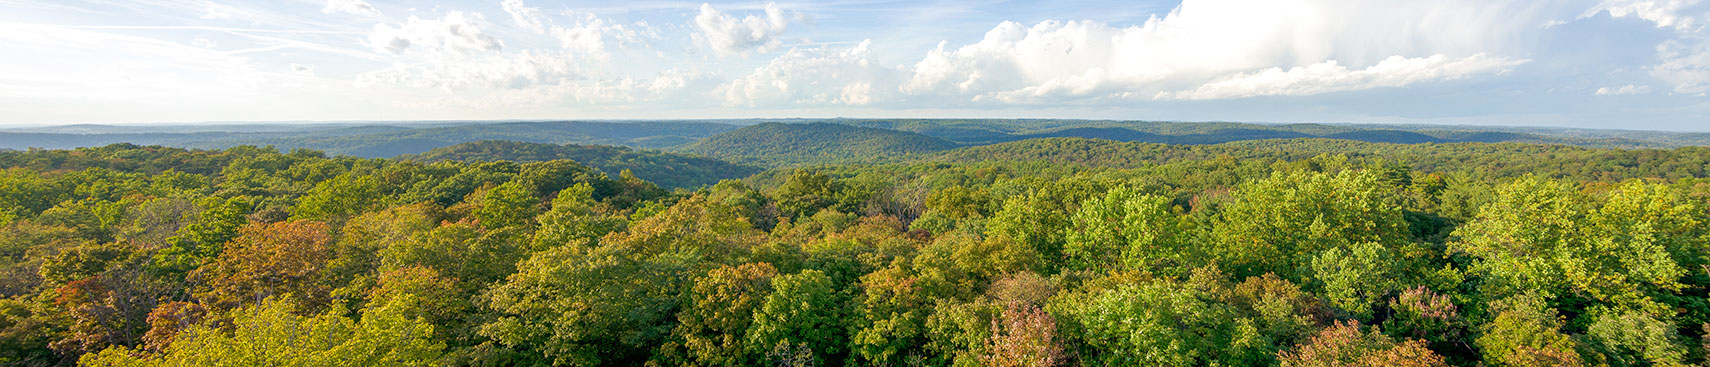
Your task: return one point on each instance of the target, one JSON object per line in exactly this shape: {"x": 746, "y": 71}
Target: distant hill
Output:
{"x": 777, "y": 144}
{"x": 669, "y": 170}
{"x": 641, "y": 134}
{"x": 1492, "y": 158}
{"x": 372, "y": 141}
{"x": 992, "y": 131}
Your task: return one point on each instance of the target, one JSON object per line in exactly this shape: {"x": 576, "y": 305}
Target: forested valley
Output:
{"x": 1038, "y": 252}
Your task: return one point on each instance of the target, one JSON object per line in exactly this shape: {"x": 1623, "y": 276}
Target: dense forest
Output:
{"x": 720, "y": 138}
{"x": 668, "y": 170}
{"x": 778, "y": 144}
{"x": 1040, "y": 252}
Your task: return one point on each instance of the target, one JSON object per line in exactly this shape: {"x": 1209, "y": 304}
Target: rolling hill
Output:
{"x": 669, "y": 170}
{"x": 778, "y": 144}
{"x": 371, "y": 141}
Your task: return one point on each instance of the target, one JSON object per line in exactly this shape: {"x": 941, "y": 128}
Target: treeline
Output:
{"x": 669, "y": 170}
{"x": 1496, "y": 160}
{"x": 117, "y": 257}
{"x": 777, "y": 144}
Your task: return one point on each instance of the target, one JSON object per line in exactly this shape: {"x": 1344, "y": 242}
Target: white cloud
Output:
{"x": 1685, "y": 58}
{"x": 1623, "y": 90}
{"x": 590, "y": 35}
{"x": 455, "y": 33}
{"x": 1329, "y": 76}
{"x": 1207, "y": 41}
{"x": 819, "y": 76}
{"x": 454, "y": 55}
{"x": 1665, "y": 13}
{"x": 1686, "y": 64}
{"x": 219, "y": 11}
{"x": 78, "y": 75}
{"x": 729, "y": 35}
{"x": 352, "y": 7}
{"x": 526, "y": 17}
{"x": 503, "y": 71}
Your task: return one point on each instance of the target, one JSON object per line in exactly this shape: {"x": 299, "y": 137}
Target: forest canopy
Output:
{"x": 1041, "y": 252}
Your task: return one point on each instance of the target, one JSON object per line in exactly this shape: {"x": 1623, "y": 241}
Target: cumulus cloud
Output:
{"x": 593, "y": 36}
{"x": 453, "y": 54}
{"x": 526, "y": 17}
{"x": 455, "y": 33}
{"x": 816, "y": 76}
{"x": 1623, "y": 90}
{"x": 1665, "y": 13}
{"x": 729, "y": 35}
{"x": 1213, "y": 41}
{"x": 353, "y": 7}
{"x": 1329, "y": 76}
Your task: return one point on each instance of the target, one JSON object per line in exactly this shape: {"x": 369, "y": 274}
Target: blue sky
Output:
{"x": 1629, "y": 64}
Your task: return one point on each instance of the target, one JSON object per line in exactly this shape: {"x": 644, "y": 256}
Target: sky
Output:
{"x": 1625, "y": 64}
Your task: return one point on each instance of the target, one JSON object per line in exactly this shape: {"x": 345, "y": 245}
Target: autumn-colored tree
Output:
{"x": 267, "y": 260}
{"x": 1026, "y": 336}
{"x": 1346, "y": 344}
{"x": 1419, "y": 313}
{"x": 108, "y": 309}
{"x": 167, "y": 320}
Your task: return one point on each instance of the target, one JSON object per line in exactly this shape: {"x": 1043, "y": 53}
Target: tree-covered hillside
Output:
{"x": 1049, "y": 252}
{"x": 376, "y": 141}
{"x": 389, "y": 139}
{"x": 776, "y": 144}
{"x": 669, "y": 170}
{"x": 1503, "y": 159}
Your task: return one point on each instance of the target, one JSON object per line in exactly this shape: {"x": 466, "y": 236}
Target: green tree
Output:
{"x": 1524, "y": 331}
{"x": 1545, "y": 236}
{"x": 575, "y": 220}
{"x": 272, "y": 334}
{"x": 712, "y": 328}
{"x": 1277, "y": 225}
{"x": 1160, "y": 323}
{"x": 805, "y": 193}
{"x": 339, "y": 198}
{"x": 1636, "y": 339}
{"x": 204, "y": 239}
{"x": 512, "y": 204}
{"x": 1356, "y": 279}
{"x": 1128, "y": 229}
{"x": 614, "y": 303}
{"x": 804, "y": 309}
